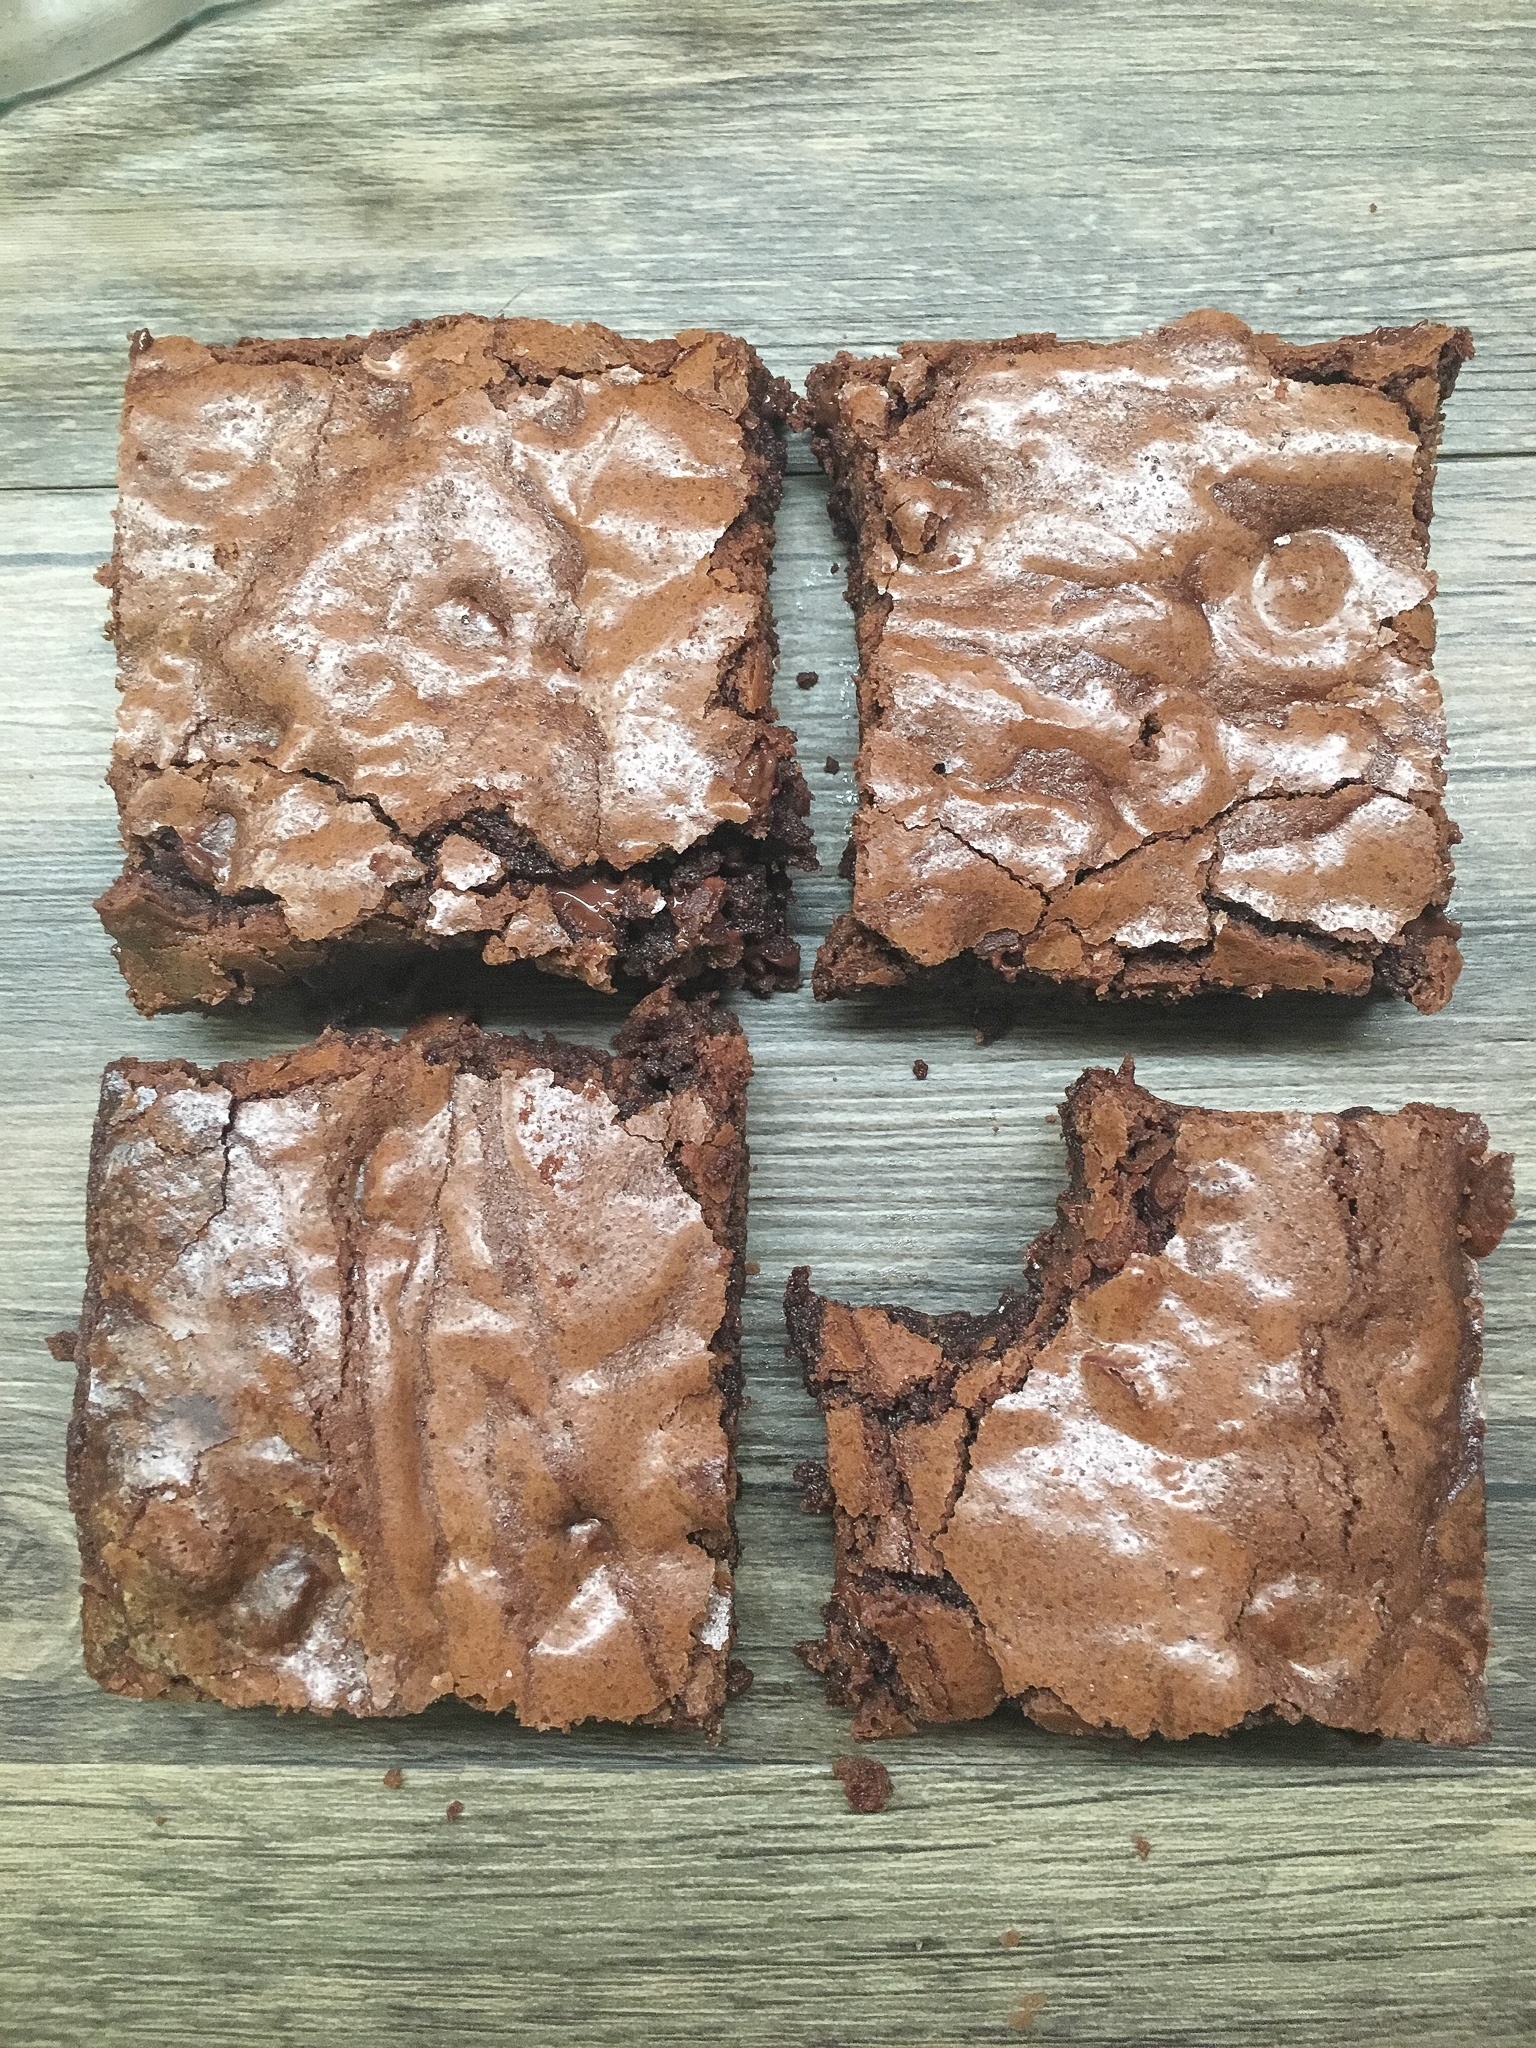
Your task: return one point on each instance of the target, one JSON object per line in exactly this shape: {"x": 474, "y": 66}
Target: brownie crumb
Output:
{"x": 394, "y": 1778}
{"x": 1011, "y": 1939}
{"x": 1143, "y": 1846}
{"x": 833, "y": 764}
{"x": 61, "y": 1345}
{"x": 159, "y": 1820}
{"x": 866, "y": 1781}
{"x": 816, "y": 1496}
{"x": 807, "y": 679}
{"x": 920, "y": 1069}
{"x": 753, "y": 1267}
{"x": 1026, "y": 2012}
{"x": 835, "y": 567}
{"x": 1051, "y": 1117}
{"x": 455, "y": 1809}
{"x": 1373, "y": 206}
{"x": 738, "y": 1679}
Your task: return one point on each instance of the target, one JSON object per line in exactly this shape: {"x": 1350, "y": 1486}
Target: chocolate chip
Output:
{"x": 833, "y": 764}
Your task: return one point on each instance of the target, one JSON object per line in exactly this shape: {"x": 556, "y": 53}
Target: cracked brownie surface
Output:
{"x": 410, "y": 1369}
{"x": 1145, "y": 637}
{"x": 1219, "y": 1460}
{"x": 459, "y": 635}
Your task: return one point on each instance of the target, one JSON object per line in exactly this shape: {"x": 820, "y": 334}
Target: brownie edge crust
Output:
{"x": 455, "y": 636}
{"x": 413, "y": 1369}
{"x": 1145, "y": 635}
{"x": 1218, "y": 1462}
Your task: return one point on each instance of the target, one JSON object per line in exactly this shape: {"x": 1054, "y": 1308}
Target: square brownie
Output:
{"x": 1220, "y": 1460}
{"x": 411, "y": 1369}
{"x": 454, "y": 636}
{"x": 1145, "y": 637}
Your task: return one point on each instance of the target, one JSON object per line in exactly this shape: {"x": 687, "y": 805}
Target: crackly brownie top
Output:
{"x": 364, "y": 587}
{"x": 1149, "y": 641}
{"x": 403, "y": 1374}
{"x": 1224, "y": 1459}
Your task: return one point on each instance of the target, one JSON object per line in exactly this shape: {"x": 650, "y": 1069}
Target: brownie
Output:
{"x": 454, "y": 636}
{"x": 1219, "y": 1461}
{"x": 1145, "y": 639}
{"x": 411, "y": 1369}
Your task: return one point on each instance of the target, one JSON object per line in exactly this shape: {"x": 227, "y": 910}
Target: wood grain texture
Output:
{"x": 815, "y": 176}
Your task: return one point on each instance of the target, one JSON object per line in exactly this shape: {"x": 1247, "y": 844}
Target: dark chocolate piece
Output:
{"x": 1219, "y": 1461}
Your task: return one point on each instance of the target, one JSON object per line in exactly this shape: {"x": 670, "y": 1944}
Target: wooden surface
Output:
{"x": 813, "y": 176}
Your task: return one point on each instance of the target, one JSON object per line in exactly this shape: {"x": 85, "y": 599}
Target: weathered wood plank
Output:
{"x": 742, "y": 1905}
{"x": 815, "y": 177}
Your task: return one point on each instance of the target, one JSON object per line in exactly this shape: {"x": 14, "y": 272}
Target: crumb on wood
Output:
{"x": 1143, "y": 1846}
{"x": 455, "y": 1809}
{"x": 865, "y": 1781}
{"x": 1051, "y": 1117}
{"x": 1011, "y": 1939}
{"x": 394, "y": 1778}
{"x": 996, "y": 1130}
{"x": 833, "y": 764}
{"x": 1026, "y": 2012}
{"x": 61, "y": 1345}
{"x": 1373, "y": 206}
{"x": 807, "y": 679}
{"x": 835, "y": 567}
{"x": 753, "y": 1267}
{"x": 738, "y": 1678}
{"x": 159, "y": 1820}
{"x": 816, "y": 1496}
{"x": 920, "y": 1069}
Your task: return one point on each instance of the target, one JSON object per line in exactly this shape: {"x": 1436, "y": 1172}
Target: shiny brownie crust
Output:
{"x": 1219, "y": 1461}
{"x": 412, "y": 1369}
{"x": 455, "y": 636}
{"x": 1145, "y": 634}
